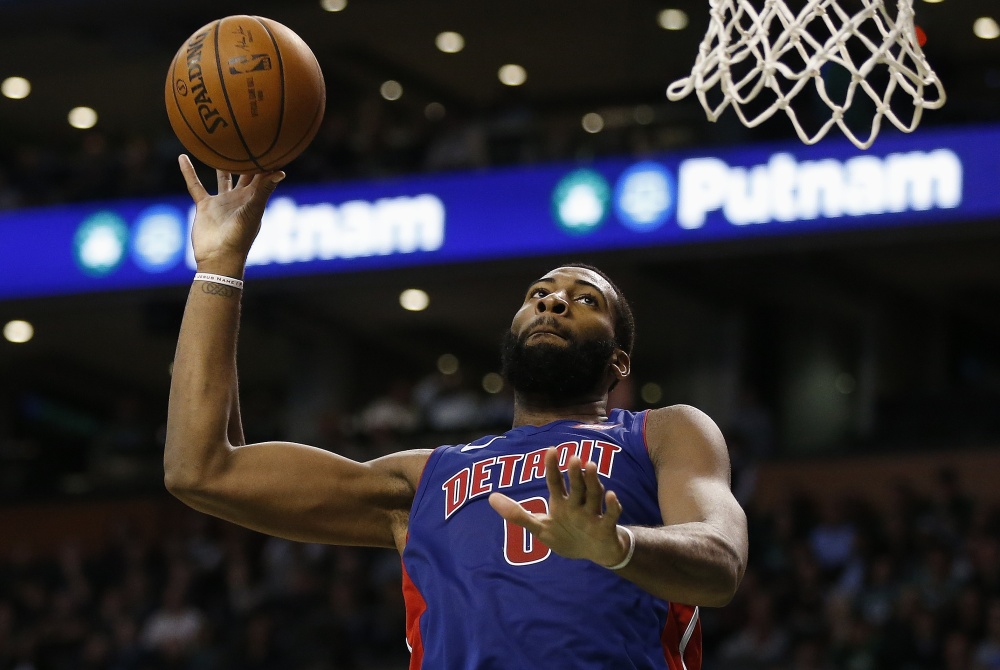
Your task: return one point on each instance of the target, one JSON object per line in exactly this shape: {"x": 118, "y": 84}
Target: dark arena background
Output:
{"x": 837, "y": 312}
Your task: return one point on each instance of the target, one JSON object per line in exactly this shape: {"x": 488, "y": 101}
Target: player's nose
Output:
{"x": 552, "y": 303}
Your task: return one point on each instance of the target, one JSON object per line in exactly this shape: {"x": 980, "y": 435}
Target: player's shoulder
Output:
{"x": 678, "y": 415}
{"x": 681, "y": 427}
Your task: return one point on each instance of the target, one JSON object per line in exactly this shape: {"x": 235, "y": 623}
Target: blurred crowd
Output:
{"x": 842, "y": 585}
{"x": 371, "y": 140}
{"x": 193, "y": 593}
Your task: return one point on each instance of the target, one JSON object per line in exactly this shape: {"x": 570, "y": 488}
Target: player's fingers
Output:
{"x": 613, "y": 508}
{"x": 262, "y": 184}
{"x": 513, "y": 512}
{"x": 245, "y": 180}
{"x": 194, "y": 187}
{"x": 553, "y": 477}
{"x": 578, "y": 492}
{"x": 595, "y": 489}
{"x": 269, "y": 182}
{"x": 224, "y": 180}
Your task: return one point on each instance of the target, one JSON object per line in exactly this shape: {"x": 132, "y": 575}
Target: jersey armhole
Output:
{"x": 425, "y": 474}
{"x": 642, "y": 437}
{"x": 645, "y": 443}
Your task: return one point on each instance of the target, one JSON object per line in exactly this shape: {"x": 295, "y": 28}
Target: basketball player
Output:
{"x": 578, "y": 539}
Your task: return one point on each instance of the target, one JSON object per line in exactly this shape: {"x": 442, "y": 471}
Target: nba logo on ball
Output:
{"x": 644, "y": 196}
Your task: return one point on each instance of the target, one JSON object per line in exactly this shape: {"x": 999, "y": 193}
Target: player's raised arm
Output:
{"x": 288, "y": 490}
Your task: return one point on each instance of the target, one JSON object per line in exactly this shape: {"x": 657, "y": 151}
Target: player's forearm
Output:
{"x": 691, "y": 563}
{"x": 203, "y": 405}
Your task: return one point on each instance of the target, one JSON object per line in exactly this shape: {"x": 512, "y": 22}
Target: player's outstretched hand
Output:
{"x": 582, "y": 522}
{"x": 226, "y": 224}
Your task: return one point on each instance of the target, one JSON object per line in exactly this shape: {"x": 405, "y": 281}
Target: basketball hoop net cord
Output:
{"x": 761, "y": 60}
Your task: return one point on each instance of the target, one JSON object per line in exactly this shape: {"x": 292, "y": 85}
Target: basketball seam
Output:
{"x": 305, "y": 139}
{"x": 317, "y": 116}
{"x": 281, "y": 98}
{"x": 229, "y": 104}
{"x": 183, "y": 116}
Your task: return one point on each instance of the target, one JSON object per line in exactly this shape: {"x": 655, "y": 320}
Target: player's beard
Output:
{"x": 560, "y": 374}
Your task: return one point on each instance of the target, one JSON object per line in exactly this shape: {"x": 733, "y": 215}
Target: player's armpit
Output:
{"x": 306, "y": 494}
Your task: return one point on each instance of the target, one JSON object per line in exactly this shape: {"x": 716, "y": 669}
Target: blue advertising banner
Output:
{"x": 932, "y": 177}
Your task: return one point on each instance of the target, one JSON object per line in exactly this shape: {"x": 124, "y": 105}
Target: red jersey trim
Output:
{"x": 415, "y": 607}
{"x": 681, "y": 638}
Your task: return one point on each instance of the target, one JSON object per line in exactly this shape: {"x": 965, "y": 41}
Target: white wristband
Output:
{"x": 631, "y": 549}
{"x": 219, "y": 279}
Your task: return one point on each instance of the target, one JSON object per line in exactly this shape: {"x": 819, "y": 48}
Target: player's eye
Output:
{"x": 587, "y": 299}
{"x": 537, "y": 293}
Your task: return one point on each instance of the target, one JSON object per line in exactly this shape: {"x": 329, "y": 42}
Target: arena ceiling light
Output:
{"x": 449, "y": 42}
{"x": 512, "y": 75}
{"x": 673, "y": 19}
{"x": 447, "y": 364}
{"x": 15, "y": 88}
{"x": 986, "y": 28}
{"x": 391, "y": 90}
{"x": 492, "y": 382}
{"x": 82, "y": 117}
{"x": 414, "y": 300}
{"x": 651, "y": 393}
{"x": 592, "y": 122}
{"x": 333, "y": 5}
{"x": 18, "y": 331}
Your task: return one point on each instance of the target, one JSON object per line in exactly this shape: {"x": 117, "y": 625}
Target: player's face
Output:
{"x": 561, "y": 342}
{"x": 566, "y": 304}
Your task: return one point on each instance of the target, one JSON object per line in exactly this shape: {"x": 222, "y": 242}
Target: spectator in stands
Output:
{"x": 173, "y": 630}
{"x": 832, "y": 540}
{"x": 987, "y": 652}
{"x": 393, "y": 411}
{"x": 761, "y": 643}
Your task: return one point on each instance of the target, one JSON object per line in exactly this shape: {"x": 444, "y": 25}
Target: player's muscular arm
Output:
{"x": 699, "y": 555}
{"x": 288, "y": 490}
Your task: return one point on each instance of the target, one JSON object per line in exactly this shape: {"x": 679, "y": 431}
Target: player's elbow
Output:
{"x": 717, "y": 570}
{"x": 726, "y": 586}
{"x": 181, "y": 482}
{"x": 175, "y": 480}
{"x": 194, "y": 490}
{"x": 728, "y": 573}
{"x": 186, "y": 476}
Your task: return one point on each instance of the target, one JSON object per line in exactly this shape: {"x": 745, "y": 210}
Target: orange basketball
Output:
{"x": 245, "y": 94}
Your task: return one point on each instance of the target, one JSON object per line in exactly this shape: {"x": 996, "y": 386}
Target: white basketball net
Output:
{"x": 779, "y": 52}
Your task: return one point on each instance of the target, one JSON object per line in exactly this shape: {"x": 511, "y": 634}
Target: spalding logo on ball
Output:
{"x": 245, "y": 94}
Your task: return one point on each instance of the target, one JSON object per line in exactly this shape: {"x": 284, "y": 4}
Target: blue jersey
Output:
{"x": 482, "y": 594}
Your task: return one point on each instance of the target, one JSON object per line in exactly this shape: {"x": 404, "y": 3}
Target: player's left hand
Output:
{"x": 582, "y": 521}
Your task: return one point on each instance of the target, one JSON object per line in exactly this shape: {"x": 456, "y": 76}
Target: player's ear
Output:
{"x": 621, "y": 364}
